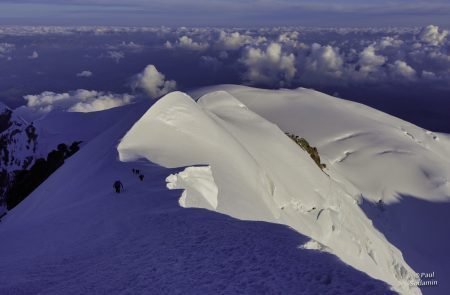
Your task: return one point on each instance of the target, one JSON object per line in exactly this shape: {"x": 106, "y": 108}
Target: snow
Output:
{"x": 16, "y": 144}
{"x": 256, "y": 214}
{"x": 74, "y": 235}
{"x": 261, "y": 174}
{"x": 358, "y": 142}
{"x": 51, "y": 130}
{"x": 3, "y": 107}
{"x": 385, "y": 158}
{"x": 66, "y": 127}
{"x": 200, "y": 190}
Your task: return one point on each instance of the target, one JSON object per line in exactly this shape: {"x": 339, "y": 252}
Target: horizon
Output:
{"x": 253, "y": 27}
{"x": 220, "y": 13}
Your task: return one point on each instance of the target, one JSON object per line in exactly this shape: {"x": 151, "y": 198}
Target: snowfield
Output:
{"x": 355, "y": 138}
{"x": 256, "y": 214}
{"x": 385, "y": 158}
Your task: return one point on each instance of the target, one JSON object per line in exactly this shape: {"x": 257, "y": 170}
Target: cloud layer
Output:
{"x": 283, "y": 57}
{"x": 272, "y": 57}
{"x": 356, "y": 63}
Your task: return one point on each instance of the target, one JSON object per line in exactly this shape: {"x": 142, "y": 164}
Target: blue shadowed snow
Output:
{"x": 424, "y": 239}
{"x": 142, "y": 242}
{"x": 74, "y": 235}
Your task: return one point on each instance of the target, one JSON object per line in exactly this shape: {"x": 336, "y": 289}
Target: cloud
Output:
{"x": 402, "y": 69}
{"x": 36, "y": 30}
{"x": 210, "y": 62}
{"x": 85, "y": 74}
{"x": 127, "y": 46}
{"x": 321, "y": 58}
{"x": 34, "y": 55}
{"x": 45, "y": 100}
{"x": 352, "y": 56}
{"x": 428, "y": 75}
{"x": 187, "y": 43}
{"x": 102, "y": 102}
{"x": 325, "y": 59}
{"x": 153, "y": 82}
{"x": 6, "y": 49}
{"x": 80, "y": 100}
{"x": 168, "y": 45}
{"x": 232, "y": 41}
{"x": 433, "y": 35}
{"x": 370, "y": 62}
{"x": 288, "y": 36}
{"x": 388, "y": 41}
{"x": 270, "y": 66}
{"x": 115, "y": 55}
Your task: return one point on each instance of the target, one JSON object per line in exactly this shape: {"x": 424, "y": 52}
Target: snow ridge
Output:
{"x": 260, "y": 174}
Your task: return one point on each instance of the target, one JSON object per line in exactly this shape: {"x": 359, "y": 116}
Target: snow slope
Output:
{"x": 50, "y": 130}
{"x": 22, "y": 142}
{"x": 354, "y": 138}
{"x": 385, "y": 158}
{"x": 74, "y": 235}
{"x": 261, "y": 174}
{"x": 66, "y": 127}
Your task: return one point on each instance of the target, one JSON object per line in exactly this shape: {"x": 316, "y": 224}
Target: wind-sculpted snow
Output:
{"x": 200, "y": 190}
{"x": 261, "y": 174}
{"x": 401, "y": 169}
{"x": 75, "y": 235}
{"x": 381, "y": 155}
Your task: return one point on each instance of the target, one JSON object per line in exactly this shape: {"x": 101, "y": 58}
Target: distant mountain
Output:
{"x": 18, "y": 148}
{"x": 18, "y": 141}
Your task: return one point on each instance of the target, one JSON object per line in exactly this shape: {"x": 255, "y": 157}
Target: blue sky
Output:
{"x": 226, "y": 12}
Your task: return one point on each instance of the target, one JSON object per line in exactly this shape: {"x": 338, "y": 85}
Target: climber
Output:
{"x": 118, "y": 186}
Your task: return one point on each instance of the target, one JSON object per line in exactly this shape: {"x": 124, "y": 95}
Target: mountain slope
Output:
{"x": 87, "y": 239}
{"x": 262, "y": 175}
{"x": 18, "y": 144}
{"x": 22, "y": 143}
{"x": 401, "y": 170}
{"x": 354, "y": 138}
{"x": 18, "y": 141}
